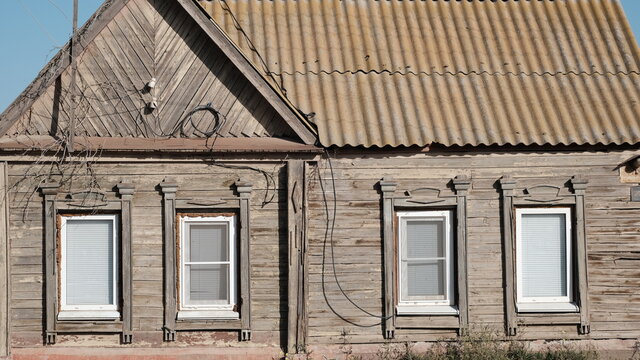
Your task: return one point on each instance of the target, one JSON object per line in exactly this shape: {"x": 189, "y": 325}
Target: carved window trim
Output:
{"x": 545, "y": 195}
{"x": 173, "y": 207}
{"x": 424, "y": 199}
{"x": 55, "y": 202}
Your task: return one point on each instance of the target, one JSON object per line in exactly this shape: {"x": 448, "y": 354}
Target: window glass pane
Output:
{"x": 208, "y": 284}
{"x": 208, "y": 242}
{"x": 89, "y": 262}
{"x": 544, "y": 255}
{"x": 426, "y": 278}
{"x": 425, "y": 239}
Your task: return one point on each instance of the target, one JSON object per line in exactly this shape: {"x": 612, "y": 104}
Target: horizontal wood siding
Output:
{"x": 152, "y": 39}
{"x": 268, "y": 243}
{"x": 613, "y": 240}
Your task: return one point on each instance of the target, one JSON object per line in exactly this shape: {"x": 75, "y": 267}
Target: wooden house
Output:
{"x": 251, "y": 178}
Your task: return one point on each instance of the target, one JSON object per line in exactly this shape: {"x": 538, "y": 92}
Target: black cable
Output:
{"x": 268, "y": 177}
{"x": 329, "y": 236}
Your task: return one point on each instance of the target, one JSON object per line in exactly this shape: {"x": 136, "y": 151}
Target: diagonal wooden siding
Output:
{"x": 153, "y": 39}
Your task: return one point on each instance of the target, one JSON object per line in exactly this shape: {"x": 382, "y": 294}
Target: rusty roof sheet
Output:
{"x": 393, "y": 72}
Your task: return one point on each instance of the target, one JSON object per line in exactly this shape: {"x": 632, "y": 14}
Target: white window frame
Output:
{"x": 212, "y": 311}
{"x": 86, "y": 312}
{"x": 445, "y": 306}
{"x": 545, "y": 303}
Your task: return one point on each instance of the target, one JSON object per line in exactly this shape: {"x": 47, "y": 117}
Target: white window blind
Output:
{"x": 89, "y": 267}
{"x": 208, "y": 263}
{"x": 544, "y": 254}
{"x": 89, "y": 262}
{"x": 425, "y": 260}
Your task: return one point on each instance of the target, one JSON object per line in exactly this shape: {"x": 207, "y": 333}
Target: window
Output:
{"x": 89, "y": 267}
{"x": 207, "y": 268}
{"x": 544, "y": 260}
{"x": 425, "y": 261}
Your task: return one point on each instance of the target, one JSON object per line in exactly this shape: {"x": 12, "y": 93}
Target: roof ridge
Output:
{"x": 473, "y": 72}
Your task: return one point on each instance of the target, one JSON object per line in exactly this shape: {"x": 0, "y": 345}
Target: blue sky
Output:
{"x": 31, "y": 32}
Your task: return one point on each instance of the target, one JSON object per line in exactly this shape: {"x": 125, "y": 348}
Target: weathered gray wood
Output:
{"x": 75, "y": 327}
{"x": 49, "y": 191}
{"x": 5, "y": 268}
{"x": 126, "y": 191}
{"x": 547, "y": 319}
{"x": 296, "y": 230}
{"x": 60, "y": 63}
{"x": 430, "y": 322}
{"x": 462, "y": 184}
{"x": 169, "y": 187}
{"x": 291, "y": 116}
{"x": 507, "y": 185}
{"x": 579, "y": 185}
{"x": 387, "y": 187}
{"x": 303, "y": 277}
{"x": 244, "y": 192}
{"x": 190, "y": 325}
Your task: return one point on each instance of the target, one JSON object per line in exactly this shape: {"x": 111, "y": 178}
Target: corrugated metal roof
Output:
{"x": 395, "y": 72}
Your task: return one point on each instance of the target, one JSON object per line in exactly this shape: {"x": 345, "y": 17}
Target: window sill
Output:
{"x": 88, "y": 315}
{"x": 426, "y": 310}
{"x": 208, "y": 315}
{"x": 547, "y": 307}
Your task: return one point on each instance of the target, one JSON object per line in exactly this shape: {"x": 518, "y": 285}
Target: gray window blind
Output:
{"x": 207, "y": 264}
{"x": 207, "y": 242}
{"x": 208, "y": 283}
{"x": 424, "y": 260}
{"x": 89, "y": 262}
{"x": 544, "y": 255}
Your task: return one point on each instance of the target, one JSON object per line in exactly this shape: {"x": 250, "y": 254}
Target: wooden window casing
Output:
{"x": 174, "y": 208}
{"x": 86, "y": 202}
{"x": 546, "y": 196}
{"x": 424, "y": 199}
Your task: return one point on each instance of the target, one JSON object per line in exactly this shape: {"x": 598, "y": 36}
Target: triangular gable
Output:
{"x": 124, "y": 46}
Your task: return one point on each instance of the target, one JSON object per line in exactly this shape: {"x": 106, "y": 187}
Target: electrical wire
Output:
{"x": 329, "y": 230}
{"x": 59, "y": 9}
{"x": 47, "y": 33}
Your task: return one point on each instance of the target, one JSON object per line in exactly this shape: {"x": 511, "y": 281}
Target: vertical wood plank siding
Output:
{"x": 612, "y": 241}
{"x": 4, "y": 261}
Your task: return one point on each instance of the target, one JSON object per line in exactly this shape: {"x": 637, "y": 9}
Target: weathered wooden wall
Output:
{"x": 195, "y": 179}
{"x": 152, "y": 39}
{"x": 613, "y": 238}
